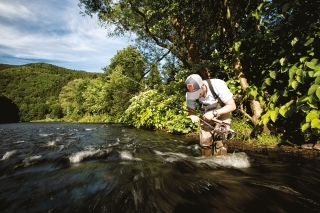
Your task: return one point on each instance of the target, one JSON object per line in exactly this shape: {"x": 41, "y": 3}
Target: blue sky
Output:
{"x": 54, "y": 32}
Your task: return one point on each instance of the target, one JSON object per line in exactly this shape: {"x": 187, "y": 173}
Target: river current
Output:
{"x": 71, "y": 167}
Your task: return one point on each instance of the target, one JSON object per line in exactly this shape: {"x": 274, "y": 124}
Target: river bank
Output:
{"x": 309, "y": 151}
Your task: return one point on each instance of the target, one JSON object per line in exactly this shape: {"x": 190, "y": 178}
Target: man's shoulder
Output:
{"x": 216, "y": 82}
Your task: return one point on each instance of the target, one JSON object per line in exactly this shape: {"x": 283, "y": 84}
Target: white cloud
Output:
{"x": 54, "y": 32}
{"x": 12, "y": 9}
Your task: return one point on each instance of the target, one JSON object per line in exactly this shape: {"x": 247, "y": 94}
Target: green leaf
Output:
{"x": 266, "y": 120}
{"x": 283, "y": 110}
{"x": 268, "y": 81}
{"x": 303, "y": 59}
{"x": 237, "y": 45}
{"x": 315, "y": 123}
{"x": 316, "y": 73}
{"x": 294, "y": 41}
{"x": 312, "y": 103}
{"x": 305, "y": 108}
{"x": 312, "y": 89}
{"x": 273, "y": 74}
{"x": 317, "y": 81}
{"x": 295, "y": 84}
{"x": 318, "y": 93}
{"x": 299, "y": 78}
{"x": 274, "y": 97}
{"x": 313, "y": 64}
{"x": 312, "y": 115}
{"x": 311, "y": 73}
{"x": 305, "y": 126}
{"x": 292, "y": 71}
{"x": 309, "y": 42}
{"x": 289, "y": 103}
{"x": 274, "y": 115}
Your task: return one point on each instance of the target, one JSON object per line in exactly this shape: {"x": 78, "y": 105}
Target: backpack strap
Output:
{"x": 214, "y": 93}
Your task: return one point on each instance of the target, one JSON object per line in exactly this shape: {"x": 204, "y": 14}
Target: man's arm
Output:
{"x": 228, "y": 107}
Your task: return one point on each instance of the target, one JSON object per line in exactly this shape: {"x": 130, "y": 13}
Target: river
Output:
{"x": 72, "y": 167}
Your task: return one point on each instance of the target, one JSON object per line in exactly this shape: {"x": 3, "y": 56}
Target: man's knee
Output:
{"x": 219, "y": 148}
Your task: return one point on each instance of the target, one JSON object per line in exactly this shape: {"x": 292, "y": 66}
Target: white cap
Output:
{"x": 193, "y": 84}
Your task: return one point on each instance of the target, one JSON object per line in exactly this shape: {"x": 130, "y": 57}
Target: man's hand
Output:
{"x": 194, "y": 118}
{"x": 208, "y": 116}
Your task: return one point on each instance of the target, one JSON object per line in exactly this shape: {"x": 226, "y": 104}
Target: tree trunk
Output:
{"x": 255, "y": 106}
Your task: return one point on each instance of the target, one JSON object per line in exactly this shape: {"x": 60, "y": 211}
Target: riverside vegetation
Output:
{"x": 267, "y": 56}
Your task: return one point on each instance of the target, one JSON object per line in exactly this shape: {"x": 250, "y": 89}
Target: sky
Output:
{"x": 54, "y": 32}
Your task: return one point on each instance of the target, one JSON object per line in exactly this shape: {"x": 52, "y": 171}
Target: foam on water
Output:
{"x": 79, "y": 156}
{"x": 51, "y": 143}
{"x": 171, "y": 156}
{"x": 29, "y": 160}
{"x": 236, "y": 160}
{"x": 21, "y": 141}
{"x": 8, "y": 154}
{"x": 126, "y": 155}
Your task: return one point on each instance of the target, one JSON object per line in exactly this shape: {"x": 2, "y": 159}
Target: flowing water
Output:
{"x": 63, "y": 167}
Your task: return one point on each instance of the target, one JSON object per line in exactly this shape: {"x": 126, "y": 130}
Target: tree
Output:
{"x": 119, "y": 93}
{"x": 262, "y": 45}
{"x": 131, "y": 61}
{"x": 287, "y": 73}
{"x": 71, "y": 98}
{"x": 154, "y": 78}
{"x": 95, "y": 97}
{"x": 198, "y": 33}
{"x": 185, "y": 28}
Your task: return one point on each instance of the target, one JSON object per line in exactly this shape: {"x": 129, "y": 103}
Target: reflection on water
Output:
{"x": 60, "y": 167}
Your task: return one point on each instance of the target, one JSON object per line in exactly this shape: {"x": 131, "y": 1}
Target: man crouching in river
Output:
{"x": 216, "y": 102}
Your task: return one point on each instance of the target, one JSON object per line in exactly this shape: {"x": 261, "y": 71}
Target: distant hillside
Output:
{"x": 6, "y": 66}
{"x": 34, "y": 88}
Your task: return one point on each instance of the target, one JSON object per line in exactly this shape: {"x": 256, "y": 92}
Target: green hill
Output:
{"x": 34, "y": 88}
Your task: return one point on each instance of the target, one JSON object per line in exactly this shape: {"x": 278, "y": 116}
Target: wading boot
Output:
{"x": 206, "y": 151}
{"x": 220, "y": 149}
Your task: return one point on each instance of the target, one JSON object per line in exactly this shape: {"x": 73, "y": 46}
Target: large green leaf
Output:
{"x": 313, "y": 64}
{"x": 311, "y": 73}
{"x": 274, "y": 115}
{"x": 292, "y": 71}
{"x": 316, "y": 73}
{"x": 317, "y": 81}
{"x": 283, "y": 110}
{"x": 299, "y": 78}
{"x": 312, "y": 115}
{"x": 315, "y": 123}
{"x": 312, "y": 89}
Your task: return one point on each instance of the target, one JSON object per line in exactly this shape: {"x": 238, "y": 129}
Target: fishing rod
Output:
{"x": 205, "y": 122}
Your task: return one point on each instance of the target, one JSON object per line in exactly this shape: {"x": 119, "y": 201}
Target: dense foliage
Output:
{"x": 35, "y": 88}
{"x": 262, "y": 46}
